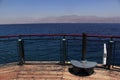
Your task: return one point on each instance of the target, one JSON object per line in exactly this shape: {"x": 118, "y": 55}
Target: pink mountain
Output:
{"x": 63, "y": 19}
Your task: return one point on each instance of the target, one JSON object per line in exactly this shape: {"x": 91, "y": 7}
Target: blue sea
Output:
{"x": 50, "y": 50}
{"x": 61, "y": 28}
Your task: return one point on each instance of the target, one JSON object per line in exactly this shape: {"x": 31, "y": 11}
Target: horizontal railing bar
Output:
{"x": 72, "y": 35}
{"x": 9, "y": 36}
{"x": 52, "y": 35}
{"x": 39, "y": 35}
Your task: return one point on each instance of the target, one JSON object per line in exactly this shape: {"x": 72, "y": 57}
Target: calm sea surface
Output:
{"x": 37, "y": 50}
{"x": 102, "y": 29}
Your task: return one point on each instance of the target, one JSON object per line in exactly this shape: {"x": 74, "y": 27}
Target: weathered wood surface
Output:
{"x": 53, "y": 72}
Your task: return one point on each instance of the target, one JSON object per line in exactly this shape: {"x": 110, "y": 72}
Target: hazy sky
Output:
{"x": 12, "y": 9}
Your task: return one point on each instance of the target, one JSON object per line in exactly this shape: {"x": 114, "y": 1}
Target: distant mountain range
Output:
{"x": 65, "y": 19}
{"x": 80, "y": 19}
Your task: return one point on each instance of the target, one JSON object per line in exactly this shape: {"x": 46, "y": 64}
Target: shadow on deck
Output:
{"x": 44, "y": 71}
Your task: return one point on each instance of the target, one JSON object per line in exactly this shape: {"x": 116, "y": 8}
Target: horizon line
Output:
{"x": 62, "y": 19}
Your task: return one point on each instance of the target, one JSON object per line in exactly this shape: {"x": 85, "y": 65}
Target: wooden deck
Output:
{"x": 53, "y": 72}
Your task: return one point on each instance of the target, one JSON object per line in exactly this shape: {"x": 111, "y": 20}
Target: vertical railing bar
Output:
{"x": 114, "y": 54}
{"x": 84, "y": 45}
{"x": 63, "y": 49}
{"x": 61, "y": 52}
{"x": 21, "y": 51}
{"x": 109, "y": 57}
{"x": 67, "y": 50}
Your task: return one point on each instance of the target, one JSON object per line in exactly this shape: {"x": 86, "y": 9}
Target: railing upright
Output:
{"x": 64, "y": 50}
{"x": 110, "y": 52}
{"x": 84, "y": 45}
{"x": 21, "y": 51}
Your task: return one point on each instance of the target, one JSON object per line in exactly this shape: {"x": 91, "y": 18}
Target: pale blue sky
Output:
{"x": 12, "y": 9}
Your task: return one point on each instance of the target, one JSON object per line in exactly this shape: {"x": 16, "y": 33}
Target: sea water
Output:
{"x": 50, "y": 50}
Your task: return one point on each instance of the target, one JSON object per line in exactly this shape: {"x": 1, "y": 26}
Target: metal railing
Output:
{"x": 58, "y": 47}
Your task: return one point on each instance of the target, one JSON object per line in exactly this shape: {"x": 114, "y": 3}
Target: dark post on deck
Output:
{"x": 110, "y": 52}
{"x": 83, "y": 67}
{"x": 64, "y": 50}
{"x": 21, "y": 51}
{"x": 84, "y": 42}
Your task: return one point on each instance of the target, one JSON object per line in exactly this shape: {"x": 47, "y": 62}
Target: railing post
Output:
{"x": 109, "y": 57}
{"x": 84, "y": 42}
{"x": 64, "y": 50}
{"x": 21, "y": 51}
